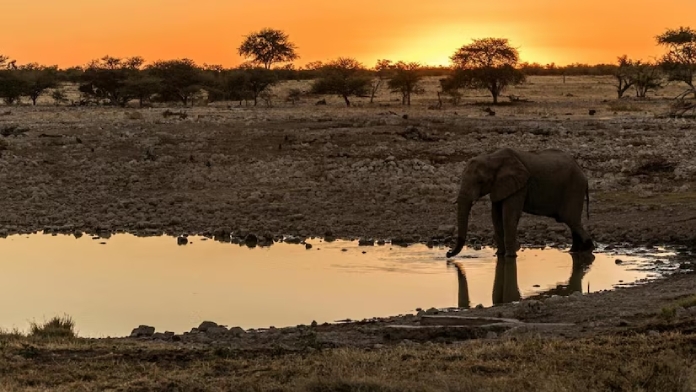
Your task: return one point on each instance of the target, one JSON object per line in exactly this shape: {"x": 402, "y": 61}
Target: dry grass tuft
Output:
{"x": 621, "y": 363}
{"x": 55, "y": 328}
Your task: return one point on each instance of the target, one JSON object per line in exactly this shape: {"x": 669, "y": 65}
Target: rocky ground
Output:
{"x": 346, "y": 172}
{"x": 380, "y": 172}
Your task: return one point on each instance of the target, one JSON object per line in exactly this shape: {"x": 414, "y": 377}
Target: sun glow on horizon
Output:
{"x": 73, "y": 32}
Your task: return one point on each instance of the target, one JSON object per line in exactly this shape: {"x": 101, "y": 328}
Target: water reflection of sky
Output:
{"x": 109, "y": 289}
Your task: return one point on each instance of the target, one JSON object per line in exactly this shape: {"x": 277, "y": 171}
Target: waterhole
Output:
{"x": 109, "y": 286}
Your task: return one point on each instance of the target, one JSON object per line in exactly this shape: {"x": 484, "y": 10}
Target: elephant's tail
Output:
{"x": 587, "y": 197}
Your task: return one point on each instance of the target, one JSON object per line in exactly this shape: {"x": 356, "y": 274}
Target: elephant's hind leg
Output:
{"x": 581, "y": 239}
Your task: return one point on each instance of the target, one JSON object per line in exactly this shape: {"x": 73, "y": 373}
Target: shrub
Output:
{"x": 55, "y": 328}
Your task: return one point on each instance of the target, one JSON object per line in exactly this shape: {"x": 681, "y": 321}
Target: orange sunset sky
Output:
{"x": 72, "y": 32}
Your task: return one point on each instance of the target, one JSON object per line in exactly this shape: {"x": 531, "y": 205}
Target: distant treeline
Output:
{"x": 486, "y": 64}
{"x": 74, "y": 74}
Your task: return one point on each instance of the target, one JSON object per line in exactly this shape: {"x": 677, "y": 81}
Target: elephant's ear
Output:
{"x": 510, "y": 178}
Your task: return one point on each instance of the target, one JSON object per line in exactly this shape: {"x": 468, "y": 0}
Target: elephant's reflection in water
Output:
{"x": 505, "y": 285}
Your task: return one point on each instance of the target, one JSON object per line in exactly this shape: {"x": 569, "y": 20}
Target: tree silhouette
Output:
{"x": 267, "y": 47}
{"x": 488, "y": 63}
{"x": 406, "y": 81}
{"x": 345, "y": 77}
{"x": 680, "y": 60}
{"x": 180, "y": 79}
{"x": 38, "y": 79}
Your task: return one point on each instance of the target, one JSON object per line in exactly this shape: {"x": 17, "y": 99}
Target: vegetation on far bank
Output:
{"x": 490, "y": 64}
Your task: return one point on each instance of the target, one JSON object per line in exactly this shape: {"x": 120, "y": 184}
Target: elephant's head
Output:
{"x": 499, "y": 174}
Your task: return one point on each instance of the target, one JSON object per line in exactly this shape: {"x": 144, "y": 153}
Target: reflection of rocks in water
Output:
{"x": 251, "y": 240}
{"x": 505, "y": 287}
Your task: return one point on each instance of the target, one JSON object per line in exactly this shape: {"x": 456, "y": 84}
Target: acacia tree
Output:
{"x": 623, "y": 75}
{"x": 258, "y": 81}
{"x": 107, "y": 77}
{"x": 142, "y": 86}
{"x": 12, "y": 87}
{"x": 645, "y": 77}
{"x": 267, "y": 47}
{"x": 37, "y": 79}
{"x": 345, "y": 77}
{"x": 3, "y": 60}
{"x": 680, "y": 60}
{"x": 488, "y": 63}
{"x": 179, "y": 79}
{"x": 382, "y": 70}
{"x": 406, "y": 81}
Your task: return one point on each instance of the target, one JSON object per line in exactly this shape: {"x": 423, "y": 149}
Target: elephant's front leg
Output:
{"x": 498, "y": 228}
{"x": 512, "y": 211}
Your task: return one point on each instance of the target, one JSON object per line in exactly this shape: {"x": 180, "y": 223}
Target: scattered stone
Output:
{"x": 432, "y": 311}
{"x": 308, "y": 246}
{"x": 292, "y": 240}
{"x": 182, "y": 240}
{"x": 142, "y": 331}
{"x": 206, "y": 325}
{"x": 618, "y": 261}
{"x": 491, "y": 335}
{"x": 218, "y": 330}
{"x": 366, "y": 242}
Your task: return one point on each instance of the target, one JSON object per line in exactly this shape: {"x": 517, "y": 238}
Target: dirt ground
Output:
{"x": 382, "y": 171}
{"x": 311, "y": 170}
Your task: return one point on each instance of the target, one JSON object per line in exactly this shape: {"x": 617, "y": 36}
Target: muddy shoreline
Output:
{"x": 335, "y": 173}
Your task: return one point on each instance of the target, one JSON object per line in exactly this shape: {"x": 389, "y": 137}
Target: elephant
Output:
{"x": 545, "y": 183}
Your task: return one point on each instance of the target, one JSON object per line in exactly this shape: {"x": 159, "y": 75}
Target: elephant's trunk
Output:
{"x": 464, "y": 204}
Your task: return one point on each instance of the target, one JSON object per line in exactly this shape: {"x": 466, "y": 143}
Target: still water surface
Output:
{"x": 111, "y": 288}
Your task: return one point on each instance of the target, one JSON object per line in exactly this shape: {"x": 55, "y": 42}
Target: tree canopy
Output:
{"x": 345, "y": 77}
{"x": 488, "y": 63}
{"x": 680, "y": 60}
{"x": 267, "y": 47}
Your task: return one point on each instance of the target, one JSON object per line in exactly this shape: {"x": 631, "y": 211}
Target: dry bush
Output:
{"x": 55, "y": 328}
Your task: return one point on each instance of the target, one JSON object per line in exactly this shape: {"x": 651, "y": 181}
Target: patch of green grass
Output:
{"x": 622, "y": 106}
{"x": 687, "y": 302}
{"x": 55, "y": 328}
{"x": 670, "y": 312}
{"x": 655, "y": 199}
